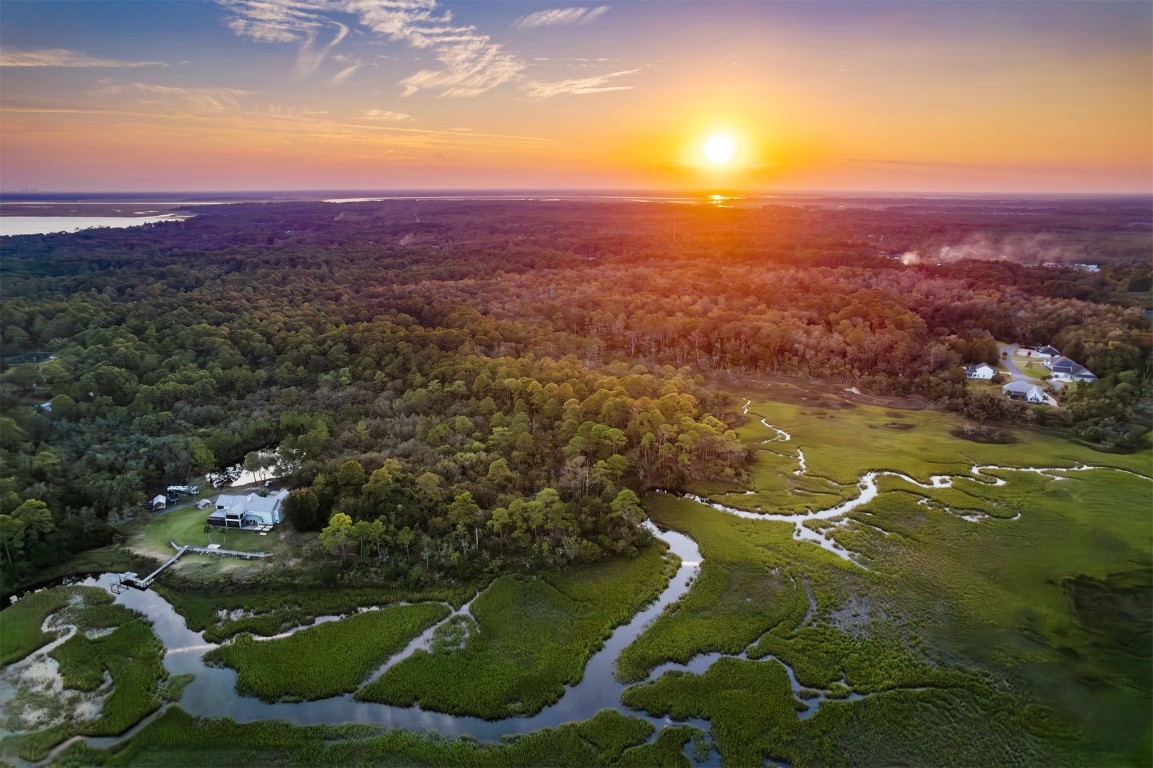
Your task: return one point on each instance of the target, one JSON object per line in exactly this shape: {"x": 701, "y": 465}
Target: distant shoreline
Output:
{"x": 270, "y": 196}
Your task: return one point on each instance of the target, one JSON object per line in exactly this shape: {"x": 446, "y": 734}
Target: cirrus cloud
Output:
{"x": 577, "y": 86}
{"x": 555, "y": 17}
{"x": 469, "y": 63}
{"x": 384, "y": 114}
{"x": 60, "y": 57}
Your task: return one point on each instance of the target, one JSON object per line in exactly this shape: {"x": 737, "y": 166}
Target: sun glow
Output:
{"x": 719, "y": 149}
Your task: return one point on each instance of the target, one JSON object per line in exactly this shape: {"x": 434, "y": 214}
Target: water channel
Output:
{"x": 212, "y": 692}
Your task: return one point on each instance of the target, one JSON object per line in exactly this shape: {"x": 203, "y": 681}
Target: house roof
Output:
{"x": 251, "y": 502}
{"x": 979, "y": 366}
{"x": 1018, "y": 387}
{"x": 161, "y": 499}
{"x": 1047, "y": 350}
{"x": 1065, "y": 365}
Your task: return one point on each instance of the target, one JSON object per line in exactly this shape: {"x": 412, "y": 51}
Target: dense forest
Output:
{"x": 479, "y": 386}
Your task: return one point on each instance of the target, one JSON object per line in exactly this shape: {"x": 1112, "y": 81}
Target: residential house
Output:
{"x": 1047, "y": 352}
{"x": 1064, "y": 369}
{"x": 982, "y": 371}
{"x": 1023, "y": 390}
{"x": 247, "y": 510}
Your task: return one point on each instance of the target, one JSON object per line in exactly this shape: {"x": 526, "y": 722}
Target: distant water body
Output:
{"x": 44, "y": 225}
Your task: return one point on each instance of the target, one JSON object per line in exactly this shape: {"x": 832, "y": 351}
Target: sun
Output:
{"x": 719, "y": 149}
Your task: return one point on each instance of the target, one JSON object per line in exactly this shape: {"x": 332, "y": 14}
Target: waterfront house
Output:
{"x": 250, "y": 510}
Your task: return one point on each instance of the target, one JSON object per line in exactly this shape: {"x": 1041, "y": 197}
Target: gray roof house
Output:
{"x": 1064, "y": 369}
{"x": 1048, "y": 351}
{"x": 247, "y": 510}
{"x": 1023, "y": 390}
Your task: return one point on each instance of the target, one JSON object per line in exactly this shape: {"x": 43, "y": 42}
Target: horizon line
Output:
{"x": 603, "y": 191}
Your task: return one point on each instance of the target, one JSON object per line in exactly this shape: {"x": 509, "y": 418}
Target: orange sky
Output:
{"x": 365, "y": 94}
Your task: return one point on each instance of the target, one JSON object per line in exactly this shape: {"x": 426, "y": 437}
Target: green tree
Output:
{"x": 338, "y": 533}
{"x": 301, "y": 509}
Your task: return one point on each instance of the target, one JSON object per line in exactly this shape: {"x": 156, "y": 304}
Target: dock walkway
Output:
{"x": 134, "y": 581}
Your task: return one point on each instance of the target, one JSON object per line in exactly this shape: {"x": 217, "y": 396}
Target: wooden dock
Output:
{"x": 227, "y": 552}
{"x": 132, "y": 580}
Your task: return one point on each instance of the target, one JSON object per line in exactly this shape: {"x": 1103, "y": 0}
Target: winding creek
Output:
{"x": 212, "y": 692}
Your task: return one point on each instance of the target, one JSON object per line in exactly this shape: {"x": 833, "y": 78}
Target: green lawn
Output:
{"x": 1031, "y": 367}
{"x": 186, "y": 526}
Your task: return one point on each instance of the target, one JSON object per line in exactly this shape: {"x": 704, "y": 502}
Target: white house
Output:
{"x": 1047, "y": 352}
{"x": 1023, "y": 390}
{"x": 982, "y": 371}
{"x": 1064, "y": 369}
{"x": 247, "y": 510}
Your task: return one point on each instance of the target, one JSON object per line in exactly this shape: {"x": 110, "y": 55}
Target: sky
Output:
{"x": 227, "y": 95}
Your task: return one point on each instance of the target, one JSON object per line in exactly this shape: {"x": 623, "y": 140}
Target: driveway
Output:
{"x": 1014, "y": 371}
{"x": 1018, "y": 375}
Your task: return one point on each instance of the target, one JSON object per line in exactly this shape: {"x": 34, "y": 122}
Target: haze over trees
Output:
{"x": 479, "y": 386}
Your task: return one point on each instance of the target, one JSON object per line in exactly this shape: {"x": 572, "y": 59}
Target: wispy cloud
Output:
{"x": 276, "y": 126}
{"x": 470, "y": 62}
{"x": 555, "y": 17}
{"x": 344, "y": 74}
{"x": 201, "y": 99}
{"x": 60, "y": 57}
{"x": 577, "y": 86}
{"x": 384, "y": 114}
{"x": 310, "y": 56}
{"x": 275, "y": 21}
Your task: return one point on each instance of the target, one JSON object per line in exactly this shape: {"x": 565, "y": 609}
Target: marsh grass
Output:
{"x": 176, "y": 738}
{"x": 128, "y": 659}
{"x": 20, "y": 623}
{"x": 134, "y": 659}
{"x": 745, "y": 587}
{"x": 270, "y": 612}
{"x": 1048, "y": 594}
{"x": 749, "y": 704}
{"x": 328, "y": 659}
{"x": 533, "y": 637}
{"x": 35, "y": 746}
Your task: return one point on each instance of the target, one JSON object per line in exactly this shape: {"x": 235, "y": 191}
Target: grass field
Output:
{"x": 328, "y": 659}
{"x": 534, "y": 636}
{"x": 1031, "y": 367}
{"x": 186, "y": 526}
